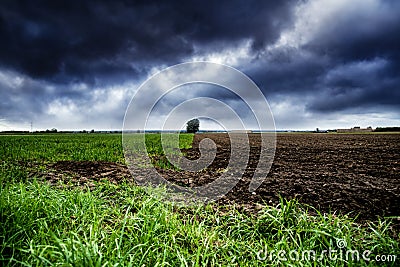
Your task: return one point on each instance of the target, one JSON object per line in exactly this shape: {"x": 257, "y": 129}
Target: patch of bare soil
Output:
{"x": 84, "y": 173}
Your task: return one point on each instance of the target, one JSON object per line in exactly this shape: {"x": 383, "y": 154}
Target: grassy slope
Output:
{"x": 122, "y": 224}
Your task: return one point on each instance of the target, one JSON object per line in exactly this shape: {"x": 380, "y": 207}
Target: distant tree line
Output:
{"x": 387, "y": 129}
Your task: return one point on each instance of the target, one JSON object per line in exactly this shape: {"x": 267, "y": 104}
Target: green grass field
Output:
{"x": 121, "y": 225}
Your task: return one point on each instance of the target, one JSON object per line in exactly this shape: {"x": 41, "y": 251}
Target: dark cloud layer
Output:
{"x": 350, "y": 61}
{"x": 83, "y": 40}
{"x": 324, "y": 57}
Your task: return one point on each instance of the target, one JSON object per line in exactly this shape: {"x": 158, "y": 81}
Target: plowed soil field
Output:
{"x": 337, "y": 173}
{"x": 356, "y": 174}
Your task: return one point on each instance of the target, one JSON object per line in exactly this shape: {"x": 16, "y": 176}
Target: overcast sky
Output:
{"x": 77, "y": 64}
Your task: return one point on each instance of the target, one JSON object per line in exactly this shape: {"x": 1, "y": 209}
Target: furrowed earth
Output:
{"x": 356, "y": 174}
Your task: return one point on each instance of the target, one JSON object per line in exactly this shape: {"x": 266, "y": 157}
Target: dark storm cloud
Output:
{"x": 66, "y": 41}
{"x": 371, "y": 32}
{"x": 25, "y": 99}
{"x": 365, "y": 51}
{"x": 289, "y": 70}
{"x": 20, "y": 98}
{"x": 361, "y": 85}
{"x": 314, "y": 57}
{"x": 350, "y": 61}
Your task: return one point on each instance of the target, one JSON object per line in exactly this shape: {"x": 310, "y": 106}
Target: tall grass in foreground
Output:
{"x": 121, "y": 224}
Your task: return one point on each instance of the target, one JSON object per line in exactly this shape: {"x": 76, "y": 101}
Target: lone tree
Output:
{"x": 192, "y": 126}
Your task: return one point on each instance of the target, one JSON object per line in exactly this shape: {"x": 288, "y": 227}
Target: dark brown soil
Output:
{"x": 84, "y": 173}
{"x": 335, "y": 173}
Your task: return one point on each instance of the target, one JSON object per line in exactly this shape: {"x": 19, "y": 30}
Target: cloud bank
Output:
{"x": 320, "y": 63}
